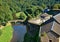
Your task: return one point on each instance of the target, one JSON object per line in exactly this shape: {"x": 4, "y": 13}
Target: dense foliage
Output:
{"x": 21, "y": 16}
{"x": 56, "y": 6}
{"x": 31, "y": 8}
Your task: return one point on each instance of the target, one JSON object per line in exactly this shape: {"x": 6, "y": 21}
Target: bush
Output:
{"x": 21, "y": 15}
{"x": 56, "y": 6}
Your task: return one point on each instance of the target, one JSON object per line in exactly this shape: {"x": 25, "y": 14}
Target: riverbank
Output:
{"x": 7, "y": 24}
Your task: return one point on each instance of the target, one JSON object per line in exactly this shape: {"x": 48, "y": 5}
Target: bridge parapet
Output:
{"x": 16, "y": 21}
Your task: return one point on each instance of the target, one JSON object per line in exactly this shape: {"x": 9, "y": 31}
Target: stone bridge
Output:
{"x": 16, "y": 21}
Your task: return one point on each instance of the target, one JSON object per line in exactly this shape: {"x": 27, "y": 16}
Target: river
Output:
{"x": 19, "y": 33}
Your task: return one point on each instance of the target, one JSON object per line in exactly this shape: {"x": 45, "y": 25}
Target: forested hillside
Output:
{"x": 31, "y": 8}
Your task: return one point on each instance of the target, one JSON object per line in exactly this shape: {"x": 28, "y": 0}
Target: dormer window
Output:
{"x": 43, "y": 17}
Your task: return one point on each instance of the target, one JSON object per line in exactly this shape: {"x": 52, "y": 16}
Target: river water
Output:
{"x": 19, "y": 33}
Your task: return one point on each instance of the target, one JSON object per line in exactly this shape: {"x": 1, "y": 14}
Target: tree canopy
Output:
{"x": 8, "y": 8}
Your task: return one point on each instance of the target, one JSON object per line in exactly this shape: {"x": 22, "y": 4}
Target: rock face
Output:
{"x": 33, "y": 33}
{"x": 33, "y": 29}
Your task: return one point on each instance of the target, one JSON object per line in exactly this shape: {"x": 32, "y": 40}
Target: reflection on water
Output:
{"x": 19, "y": 32}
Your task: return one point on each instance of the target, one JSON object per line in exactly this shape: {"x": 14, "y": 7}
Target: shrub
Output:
{"x": 56, "y": 6}
{"x": 21, "y": 15}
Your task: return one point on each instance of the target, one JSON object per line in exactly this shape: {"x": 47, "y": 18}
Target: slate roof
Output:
{"x": 47, "y": 27}
{"x": 57, "y": 18}
{"x": 56, "y": 28}
{"x": 52, "y": 25}
{"x": 56, "y": 24}
{"x": 35, "y": 21}
{"x": 44, "y": 15}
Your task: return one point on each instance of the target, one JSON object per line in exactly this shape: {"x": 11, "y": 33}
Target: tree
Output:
{"x": 56, "y": 6}
{"x": 21, "y": 15}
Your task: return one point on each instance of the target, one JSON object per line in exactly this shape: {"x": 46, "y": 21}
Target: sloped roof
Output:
{"x": 35, "y": 21}
{"x": 47, "y": 27}
{"x": 57, "y": 17}
{"x": 51, "y": 25}
{"x": 56, "y": 28}
{"x": 45, "y": 14}
{"x": 40, "y": 20}
{"x": 53, "y": 34}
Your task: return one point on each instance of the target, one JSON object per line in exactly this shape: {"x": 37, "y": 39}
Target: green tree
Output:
{"x": 21, "y": 15}
{"x": 56, "y": 6}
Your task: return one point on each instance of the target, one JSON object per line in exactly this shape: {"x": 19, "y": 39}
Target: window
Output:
{"x": 50, "y": 40}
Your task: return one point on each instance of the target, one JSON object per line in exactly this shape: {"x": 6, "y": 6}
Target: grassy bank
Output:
{"x": 6, "y": 34}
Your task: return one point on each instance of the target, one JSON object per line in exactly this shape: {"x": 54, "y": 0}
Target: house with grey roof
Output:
{"x": 49, "y": 27}
{"x": 50, "y": 30}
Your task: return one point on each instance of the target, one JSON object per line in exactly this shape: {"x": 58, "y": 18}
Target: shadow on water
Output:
{"x": 19, "y": 32}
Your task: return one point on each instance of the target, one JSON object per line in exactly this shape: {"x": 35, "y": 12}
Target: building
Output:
{"x": 50, "y": 30}
{"x": 44, "y": 17}
{"x": 38, "y": 21}
{"x": 33, "y": 25}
